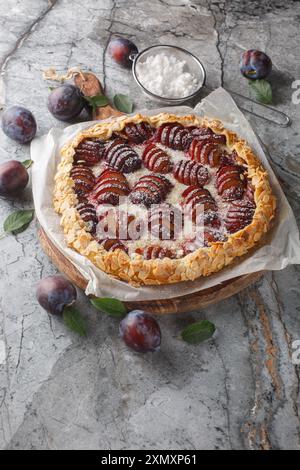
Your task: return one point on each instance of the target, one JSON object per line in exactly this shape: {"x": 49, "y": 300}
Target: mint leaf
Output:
{"x": 112, "y": 307}
{"x": 21, "y": 229}
{"x": 123, "y": 103}
{"x": 261, "y": 91}
{"x": 18, "y": 221}
{"x": 74, "y": 321}
{"x": 198, "y": 332}
{"x": 27, "y": 163}
{"x": 97, "y": 101}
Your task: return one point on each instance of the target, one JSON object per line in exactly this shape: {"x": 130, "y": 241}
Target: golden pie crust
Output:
{"x": 202, "y": 262}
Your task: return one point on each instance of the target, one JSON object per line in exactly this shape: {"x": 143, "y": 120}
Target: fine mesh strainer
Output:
{"x": 193, "y": 65}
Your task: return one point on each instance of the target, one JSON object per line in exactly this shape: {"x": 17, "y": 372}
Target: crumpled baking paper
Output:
{"x": 281, "y": 246}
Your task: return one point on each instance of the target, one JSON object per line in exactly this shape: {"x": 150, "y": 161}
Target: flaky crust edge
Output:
{"x": 202, "y": 262}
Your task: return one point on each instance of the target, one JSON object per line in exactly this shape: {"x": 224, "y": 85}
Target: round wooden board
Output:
{"x": 89, "y": 85}
{"x": 186, "y": 303}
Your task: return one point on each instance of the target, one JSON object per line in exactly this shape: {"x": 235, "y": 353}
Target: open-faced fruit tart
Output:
{"x": 161, "y": 199}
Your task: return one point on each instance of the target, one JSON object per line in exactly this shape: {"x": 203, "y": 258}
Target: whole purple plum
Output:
{"x": 19, "y": 124}
{"x": 65, "y": 102}
{"x": 120, "y": 49}
{"x": 140, "y": 332}
{"x": 13, "y": 178}
{"x": 54, "y": 293}
{"x": 255, "y": 64}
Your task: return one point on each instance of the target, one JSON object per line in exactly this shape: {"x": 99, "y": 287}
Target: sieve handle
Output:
{"x": 283, "y": 120}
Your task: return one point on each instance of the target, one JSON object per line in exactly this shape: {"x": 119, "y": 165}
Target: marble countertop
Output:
{"x": 239, "y": 390}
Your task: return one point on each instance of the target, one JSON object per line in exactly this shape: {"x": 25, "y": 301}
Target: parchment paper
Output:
{"x": 281, "y": 247}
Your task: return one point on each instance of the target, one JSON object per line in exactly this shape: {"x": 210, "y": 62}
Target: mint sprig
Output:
{"x": 113, "y": 307}
{"x": 74, "y": 321}
{"x": 123, "y": 103}
{"x": 198, "y": 332}
{"x": 27, "y": 163}
{"x": 17, "y": 222}
{"x": 97, "y": 101}
{"x": 261, "y": 91}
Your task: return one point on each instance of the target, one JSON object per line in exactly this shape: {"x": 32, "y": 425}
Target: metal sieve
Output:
{"x": 193, "y": 65}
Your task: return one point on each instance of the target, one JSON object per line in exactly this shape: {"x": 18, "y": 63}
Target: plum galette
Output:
{"x": 161, "y": 199}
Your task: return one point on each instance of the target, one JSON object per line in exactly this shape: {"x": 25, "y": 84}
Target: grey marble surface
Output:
{"x": 239, "y": 390}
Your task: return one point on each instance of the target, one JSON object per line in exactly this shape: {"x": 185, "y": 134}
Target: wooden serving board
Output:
{"x": 90, "y": 86}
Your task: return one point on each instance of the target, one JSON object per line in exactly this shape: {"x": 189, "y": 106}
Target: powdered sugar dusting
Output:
{"x": 173, "y": 198}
